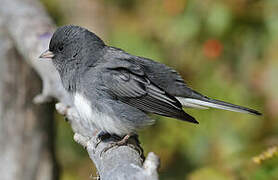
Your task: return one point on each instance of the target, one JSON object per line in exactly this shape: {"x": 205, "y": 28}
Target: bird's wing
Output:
{"x": 128, "y": 83}
{"x": 163, "y": 76}
{"x": 170, "y": 81}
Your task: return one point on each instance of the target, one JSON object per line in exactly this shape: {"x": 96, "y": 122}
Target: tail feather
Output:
{"x": 186, "y": 103}
{"x": 205, "y": 103}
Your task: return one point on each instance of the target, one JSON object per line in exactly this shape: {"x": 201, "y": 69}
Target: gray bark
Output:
{"x": 26, "y": 130}
{"x": 31, "y": 28}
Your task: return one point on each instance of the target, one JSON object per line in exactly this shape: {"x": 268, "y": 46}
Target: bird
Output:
{"x": 115, "y": 91}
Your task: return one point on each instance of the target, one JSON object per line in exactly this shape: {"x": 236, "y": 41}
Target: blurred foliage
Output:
{"x": 224, "y": 49}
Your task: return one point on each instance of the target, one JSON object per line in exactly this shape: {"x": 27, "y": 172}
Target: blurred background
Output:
{"x": 224, "y": 49}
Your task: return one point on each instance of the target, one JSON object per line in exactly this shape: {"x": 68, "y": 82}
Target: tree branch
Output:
{"x": 31, "y": 28}
{"x": 26, "y": 129}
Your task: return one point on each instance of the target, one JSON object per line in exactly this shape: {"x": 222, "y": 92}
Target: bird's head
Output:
{"x": 71, "y": 45}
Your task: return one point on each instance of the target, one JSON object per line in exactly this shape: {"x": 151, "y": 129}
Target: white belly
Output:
{"x": 92, "y": 117}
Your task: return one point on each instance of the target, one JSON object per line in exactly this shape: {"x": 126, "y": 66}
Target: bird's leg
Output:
{"x": 124, "y": 141}
{"x": 121, "y": 142}
{"x": 101, "y": 136}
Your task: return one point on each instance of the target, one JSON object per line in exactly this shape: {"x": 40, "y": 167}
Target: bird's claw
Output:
{"x": 138, "y": 149}
{"x": 123, "y": 142}
{"x": 113, "y": 144}
{"x": 101, "y": 136}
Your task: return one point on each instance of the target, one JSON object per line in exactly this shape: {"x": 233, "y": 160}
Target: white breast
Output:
{"x": 82, "y": 105}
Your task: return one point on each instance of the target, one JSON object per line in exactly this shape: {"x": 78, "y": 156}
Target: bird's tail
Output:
{"x": 205, "y": 103}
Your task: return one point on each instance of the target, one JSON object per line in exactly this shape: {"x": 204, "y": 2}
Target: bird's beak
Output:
{"x": 47, "y": 54}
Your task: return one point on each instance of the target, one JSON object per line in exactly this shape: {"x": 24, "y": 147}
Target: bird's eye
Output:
{"x": 60, "y": 48}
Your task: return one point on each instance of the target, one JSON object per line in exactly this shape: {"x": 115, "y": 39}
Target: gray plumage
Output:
{"x": 115, "y": 91}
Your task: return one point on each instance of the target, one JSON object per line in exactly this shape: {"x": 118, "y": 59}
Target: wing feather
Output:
{"x": 134, "y": 88}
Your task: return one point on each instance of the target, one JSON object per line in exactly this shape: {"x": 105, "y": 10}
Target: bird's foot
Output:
{"x": 101, "y": 137}
{"x": 116, "y": 144}
{"x": 124, "y": 141}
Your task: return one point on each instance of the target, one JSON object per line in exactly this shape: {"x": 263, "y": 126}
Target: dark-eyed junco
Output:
{"x": 114, "y": 91}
